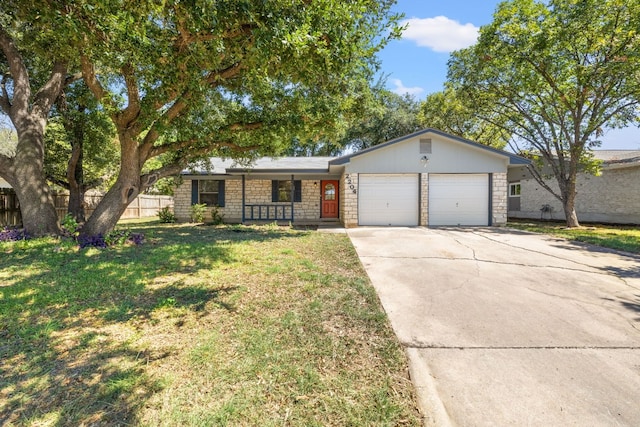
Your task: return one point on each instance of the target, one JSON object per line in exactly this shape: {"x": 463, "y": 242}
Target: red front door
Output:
{"x": 329, "y": 191}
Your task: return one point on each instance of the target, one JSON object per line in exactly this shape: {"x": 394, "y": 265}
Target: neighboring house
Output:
{"x": 4, "y": 184}
{"x": 612, "y": 197}
{"x": 426, "y": 178}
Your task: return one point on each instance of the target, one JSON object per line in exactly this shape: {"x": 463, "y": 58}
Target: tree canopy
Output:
{"x": 387, "y": 116}
{"x": 181, "y": 81}
{"x": 554, "y": 75}
{"x": 450, "y": 113}
{"x": 81, "y": 149}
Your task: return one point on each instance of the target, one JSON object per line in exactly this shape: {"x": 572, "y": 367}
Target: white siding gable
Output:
{"x": 447, "y": 156}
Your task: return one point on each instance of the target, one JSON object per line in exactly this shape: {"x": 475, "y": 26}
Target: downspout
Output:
{"x": 243, "y": 200}
{"x": 490, "y": 222}
{"x": 293, "y": 195}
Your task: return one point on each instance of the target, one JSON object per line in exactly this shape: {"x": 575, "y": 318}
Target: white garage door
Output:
{"x": 458, "y": 199}
{"x": 388, "y": 199}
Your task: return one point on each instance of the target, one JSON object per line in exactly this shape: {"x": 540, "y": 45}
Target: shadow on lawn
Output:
{"x": 65, "y": 356}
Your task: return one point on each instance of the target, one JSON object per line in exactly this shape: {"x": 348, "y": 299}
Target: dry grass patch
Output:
{"x": 199, "y": 326}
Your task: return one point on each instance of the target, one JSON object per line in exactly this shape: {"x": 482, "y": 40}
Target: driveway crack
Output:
{"x": 488, "y": 261}
{"x": 598, "y": 270}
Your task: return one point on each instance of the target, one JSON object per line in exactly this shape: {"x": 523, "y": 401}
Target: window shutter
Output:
{"x": 297, "y": 191}
{"x": 274, "y": 191}
{"x": 221, "y": 193}
{"x": 194, "y": 191}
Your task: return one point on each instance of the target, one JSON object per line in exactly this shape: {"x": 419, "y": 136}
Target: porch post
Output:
{"x": 243, "y": 200}
{"x": 293, "y": 195}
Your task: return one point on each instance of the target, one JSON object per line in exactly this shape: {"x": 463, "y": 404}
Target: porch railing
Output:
{"x": 266, "y": 212}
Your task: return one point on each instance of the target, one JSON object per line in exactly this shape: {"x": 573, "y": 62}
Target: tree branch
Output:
{"x": 5, "y": 103}
{"x": 47, "y": 95}
{"x": 21, "y": 84}
{"x": 214, "y": 77}
{"x": 94, "y": 85}
{"x": 6, "y": 166}
{"x": 71, "y": 78}
{"x": 151, "y": 177}
{"x": 127, "y": 116}
{"x": 178, "y": 145}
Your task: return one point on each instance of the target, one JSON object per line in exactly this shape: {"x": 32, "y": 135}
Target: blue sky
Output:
{"x": 417, "y": 64}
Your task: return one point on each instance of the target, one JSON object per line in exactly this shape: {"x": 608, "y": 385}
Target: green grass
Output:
{"x": 200, "y": 326}
{"x": 624, "y": 238}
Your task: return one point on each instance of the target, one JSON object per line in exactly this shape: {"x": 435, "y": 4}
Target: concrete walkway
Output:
{"x": 509, "y": 328}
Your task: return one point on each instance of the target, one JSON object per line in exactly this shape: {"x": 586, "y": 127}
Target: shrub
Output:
{"x": 96, "y": 241}
{"x": 13, "y": 234}
{"x": 216, "y": 216}
{"x": 113, "y": 238}
{"x": 70, "y": 225}
{"x": 197, "y": 212}
{"x": 166, "y": 215}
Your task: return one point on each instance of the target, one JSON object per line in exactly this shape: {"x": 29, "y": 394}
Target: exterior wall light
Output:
{"x": 424, "y": 160}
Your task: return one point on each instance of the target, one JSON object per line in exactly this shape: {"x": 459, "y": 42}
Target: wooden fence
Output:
{"x": 143, "y": 206}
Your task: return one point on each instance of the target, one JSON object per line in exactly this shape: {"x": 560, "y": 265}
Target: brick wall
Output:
{"x": 611, "y": 197}
{"x": 499, "y": 199}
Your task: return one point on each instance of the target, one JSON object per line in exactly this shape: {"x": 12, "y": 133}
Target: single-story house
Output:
{"x": 427, "y": 178}
{"x": 612, "y": 197}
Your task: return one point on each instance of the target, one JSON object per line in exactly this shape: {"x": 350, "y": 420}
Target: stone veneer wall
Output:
{"x": 256, "y": 192}
{"x": 499, "y": 199}
{"x": 611, "y": 197}
{"x": 349, "y": 200}
{"x": 232, "y": 210}
{"x": 424, "y": 199}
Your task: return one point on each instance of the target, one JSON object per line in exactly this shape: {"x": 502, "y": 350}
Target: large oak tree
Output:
{"x": 554, "y": 75}
{"x": 184, "y": 80}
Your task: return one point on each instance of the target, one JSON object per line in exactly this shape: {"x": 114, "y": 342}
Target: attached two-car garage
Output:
{"x": 394, "y": 199}
{"x": 428, "y": 178}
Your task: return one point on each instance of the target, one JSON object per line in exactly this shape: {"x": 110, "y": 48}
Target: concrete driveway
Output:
{"x": 509, "y": 328}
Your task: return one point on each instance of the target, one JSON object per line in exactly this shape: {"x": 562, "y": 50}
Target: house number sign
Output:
{"x": 352, "y": 187}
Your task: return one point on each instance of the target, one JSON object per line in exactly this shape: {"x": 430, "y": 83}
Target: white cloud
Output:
{"x": 440, "y": 33}
{"x": 401, "y": 89}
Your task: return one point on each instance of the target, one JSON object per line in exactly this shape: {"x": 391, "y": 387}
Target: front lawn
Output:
{"x": 199, "y": 326}
{"x": 624, "y": 238}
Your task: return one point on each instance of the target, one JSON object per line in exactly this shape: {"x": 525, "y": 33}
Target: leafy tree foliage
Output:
{"x": 554, "y": 76}
{"x": 385, "y": 117}
{"x": 8, "y": 138}
{"x": 379, "y": 117}
{"x": 185, "y": 80}
{"x": 81, "y": 150}
{"x": 450, "y": 113}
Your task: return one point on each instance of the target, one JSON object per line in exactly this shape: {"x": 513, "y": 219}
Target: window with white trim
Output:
{"x": 514, "y": 189}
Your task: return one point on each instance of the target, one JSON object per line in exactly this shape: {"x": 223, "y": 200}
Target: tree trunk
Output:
{"x": 75, "y": 178}
{"x": 126, "y": 188}
{"x": 38, "y": 211}
{"x": 76, "y": 204}
{"x": 568, "y": 191}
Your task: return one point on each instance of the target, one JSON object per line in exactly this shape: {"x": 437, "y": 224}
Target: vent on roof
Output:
{"x": 425, "y": 146}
